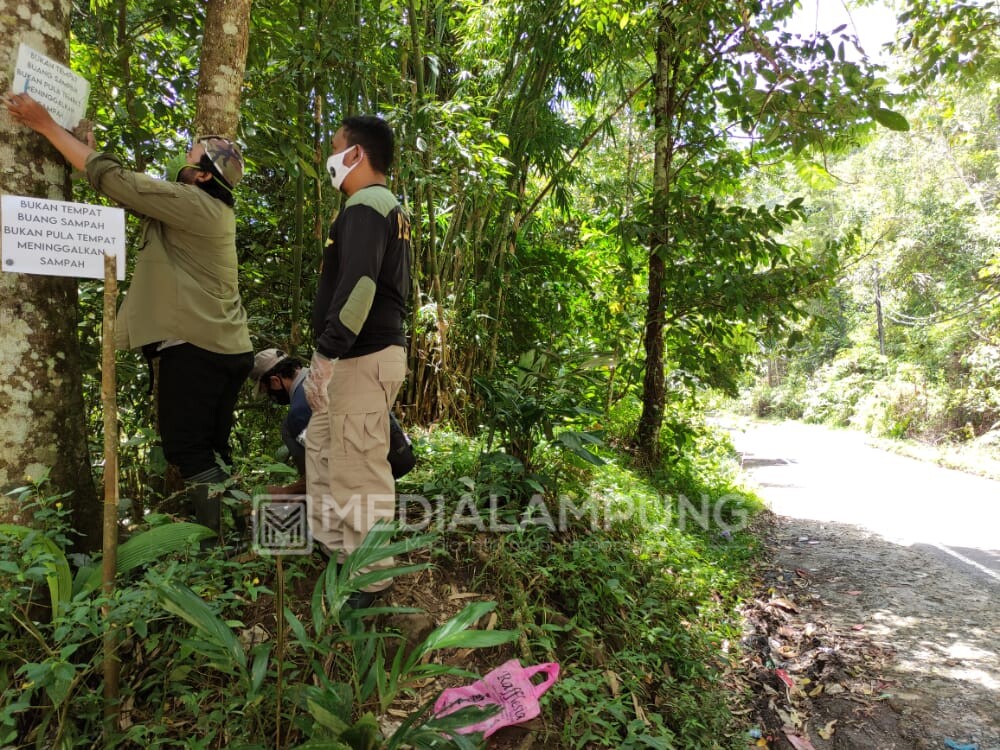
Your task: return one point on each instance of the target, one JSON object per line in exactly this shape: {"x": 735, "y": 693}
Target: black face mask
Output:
{"x": 279, "y": 396}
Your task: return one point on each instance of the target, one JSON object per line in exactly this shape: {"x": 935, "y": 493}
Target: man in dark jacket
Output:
{"x": 359, "y": 361}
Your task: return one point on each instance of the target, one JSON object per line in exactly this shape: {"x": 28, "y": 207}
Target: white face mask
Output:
{"x": 337, "y": 169}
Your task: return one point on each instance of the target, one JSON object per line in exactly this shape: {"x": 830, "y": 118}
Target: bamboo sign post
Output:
{"x": 110, "y": 407}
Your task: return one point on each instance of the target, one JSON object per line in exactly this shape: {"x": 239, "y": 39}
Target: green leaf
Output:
{"x": 297, "y": 628}
{"x": 307, "y": 167}
{"x": 889, "y": 119}
{"x": 455, "y": 633}
{"x": 181, "y": 601}
{"x": 326, "y": 718}
{"x": 376, "y": 547}
{"x": 149, "y": 546}
{"x": 258, "y": 671}
{"x": 278, "y": 468}
{"x": 366, "y": 580}
{"x": 462, "y": 718}
{"x": 62, "y": 680}
{"x": 56, "y": 567}
{"x": 364, "y": 735}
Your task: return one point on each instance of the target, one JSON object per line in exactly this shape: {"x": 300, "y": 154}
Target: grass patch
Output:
{"x": 629, "y": 581}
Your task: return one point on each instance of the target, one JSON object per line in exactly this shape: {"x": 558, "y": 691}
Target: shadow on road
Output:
{"x": 859, "y": 642}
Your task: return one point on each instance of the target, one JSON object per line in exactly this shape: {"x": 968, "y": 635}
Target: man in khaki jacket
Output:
{"x": 183, "y": 304}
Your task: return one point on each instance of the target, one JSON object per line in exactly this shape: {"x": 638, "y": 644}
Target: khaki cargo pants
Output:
{"x": 348, "y": 477}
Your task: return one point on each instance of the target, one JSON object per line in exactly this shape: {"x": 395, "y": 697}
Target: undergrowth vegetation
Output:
{"x": 628, "y": 579}
{"x": 888, "y": 399}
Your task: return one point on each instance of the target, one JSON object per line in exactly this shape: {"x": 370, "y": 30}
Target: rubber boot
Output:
{"x": 207, "y": 505}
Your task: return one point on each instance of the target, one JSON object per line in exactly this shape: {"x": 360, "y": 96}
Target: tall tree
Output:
{"x": 42, "y": 423}
{"x": 732, "y": 90}
{"x": 223, "y": 63}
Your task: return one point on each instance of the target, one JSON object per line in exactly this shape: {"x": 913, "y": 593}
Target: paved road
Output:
{"x": 811, "y": 472}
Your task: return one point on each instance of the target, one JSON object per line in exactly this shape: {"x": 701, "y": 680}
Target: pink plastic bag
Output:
{"x": 508, "y": 686}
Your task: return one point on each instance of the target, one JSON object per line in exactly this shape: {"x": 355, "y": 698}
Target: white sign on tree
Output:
{"x": 61, "y": 91}
{"x": 57, "y": 238}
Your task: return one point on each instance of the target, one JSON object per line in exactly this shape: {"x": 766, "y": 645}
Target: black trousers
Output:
{"x": 197, "y": 391}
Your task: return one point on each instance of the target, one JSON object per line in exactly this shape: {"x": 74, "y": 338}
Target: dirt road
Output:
{"x": 878, "y": 624}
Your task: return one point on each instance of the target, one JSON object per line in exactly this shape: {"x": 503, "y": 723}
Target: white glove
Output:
{"x": 317, "y": 381}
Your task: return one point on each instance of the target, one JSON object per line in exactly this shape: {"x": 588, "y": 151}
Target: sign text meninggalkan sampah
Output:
{"x": 57, "y": 238}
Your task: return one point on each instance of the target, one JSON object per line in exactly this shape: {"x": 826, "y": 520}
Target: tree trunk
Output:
{"x": 653, "y": 390}
{"x": 223, "y": 63}
{"x": 42, "y": 416}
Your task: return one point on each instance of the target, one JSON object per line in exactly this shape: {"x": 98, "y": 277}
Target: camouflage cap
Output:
{"x": 225, "y": 156}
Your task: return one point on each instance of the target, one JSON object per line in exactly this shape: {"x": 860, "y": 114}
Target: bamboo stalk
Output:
{"x": 279, "y": 650}
{"x": 110, "y": 408}
{"x": 320, "y": 137}
{"x": 300, "y": 199}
